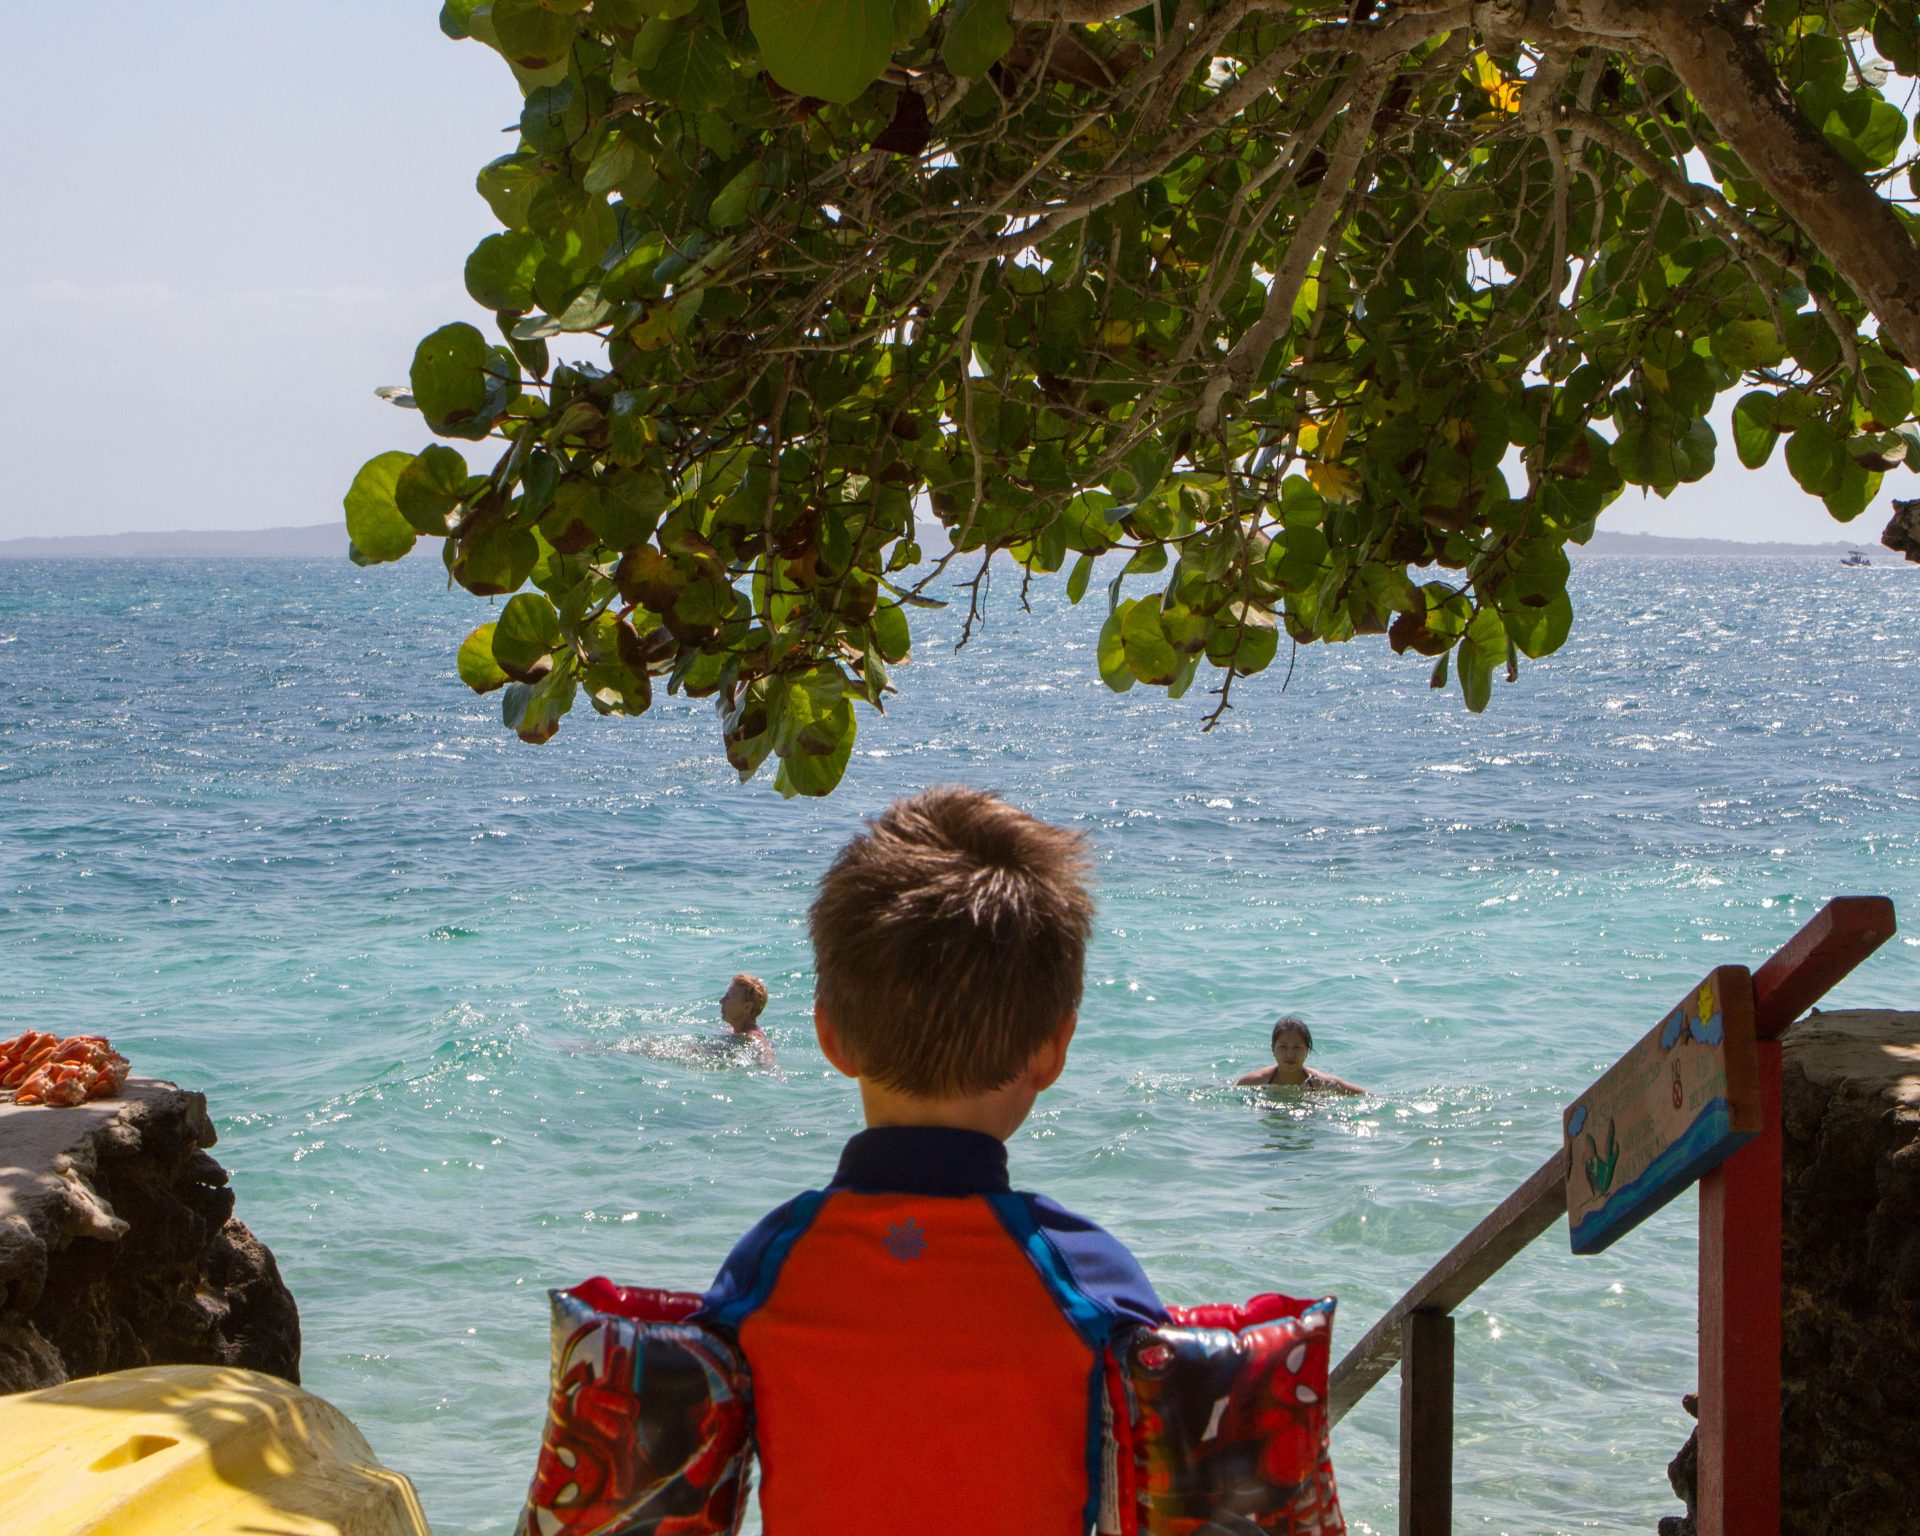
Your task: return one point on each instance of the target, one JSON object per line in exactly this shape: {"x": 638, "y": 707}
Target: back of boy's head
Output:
{"x": 949, "y": 940}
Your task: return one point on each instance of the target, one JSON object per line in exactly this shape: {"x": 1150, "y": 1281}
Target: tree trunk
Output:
{"x": 1720, "y": 61}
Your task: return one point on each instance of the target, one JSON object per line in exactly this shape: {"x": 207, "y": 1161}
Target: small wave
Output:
{"x": 447, "y": 932}
{"x": 703, "y": 1052}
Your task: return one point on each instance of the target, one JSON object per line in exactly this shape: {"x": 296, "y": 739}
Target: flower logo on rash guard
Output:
{"x": 906, "y": 1239}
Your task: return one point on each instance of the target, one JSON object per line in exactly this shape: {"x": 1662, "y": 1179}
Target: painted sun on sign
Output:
{"x": 1675, "y": 1106}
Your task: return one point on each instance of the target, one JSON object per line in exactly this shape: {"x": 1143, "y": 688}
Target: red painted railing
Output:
{"x": 1740, "y": 1238}
{"x": 1739, "y": 1482}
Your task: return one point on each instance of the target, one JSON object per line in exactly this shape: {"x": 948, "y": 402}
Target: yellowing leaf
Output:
{"x": 1334, "y": 481}
{"x": 1336, "y": 435}
{"x": 1501, "y": 91}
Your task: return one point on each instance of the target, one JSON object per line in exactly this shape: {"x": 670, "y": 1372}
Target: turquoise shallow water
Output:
{"x": 444, "y": 991}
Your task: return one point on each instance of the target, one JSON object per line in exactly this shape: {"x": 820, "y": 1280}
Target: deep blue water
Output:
{"x": 444, "y": 990}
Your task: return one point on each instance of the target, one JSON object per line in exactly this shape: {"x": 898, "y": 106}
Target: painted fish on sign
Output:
{"x": 1673, "y": 1107}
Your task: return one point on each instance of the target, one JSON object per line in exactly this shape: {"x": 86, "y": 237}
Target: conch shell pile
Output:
{"x": 44, "y": 1069}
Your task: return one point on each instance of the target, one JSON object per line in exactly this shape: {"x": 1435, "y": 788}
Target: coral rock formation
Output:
{"x": 119, "y": 1247}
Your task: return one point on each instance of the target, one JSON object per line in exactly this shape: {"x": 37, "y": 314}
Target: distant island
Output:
{"x": 1653, "y": 546}
{"x": 328, "y": 541}
{"x": 317, "y": 541}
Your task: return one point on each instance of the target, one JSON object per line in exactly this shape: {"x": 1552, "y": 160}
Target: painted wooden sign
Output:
{"x": 1675, "y": 1106}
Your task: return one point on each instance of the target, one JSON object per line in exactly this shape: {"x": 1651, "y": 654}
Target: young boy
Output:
{"x": 925, "y": 1343}
{"x": 740, "y": 1008}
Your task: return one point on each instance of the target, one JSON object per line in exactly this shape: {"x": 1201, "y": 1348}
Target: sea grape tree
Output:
{"x": 1330, "y": 317}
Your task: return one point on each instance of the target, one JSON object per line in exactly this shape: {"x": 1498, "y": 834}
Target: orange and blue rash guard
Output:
{"x": 925, "y": 1345}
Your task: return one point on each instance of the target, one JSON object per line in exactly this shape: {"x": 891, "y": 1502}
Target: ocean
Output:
{"x": 450, "y": 996}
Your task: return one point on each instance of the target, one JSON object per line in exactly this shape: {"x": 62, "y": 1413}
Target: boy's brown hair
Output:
{"x": 756, "y": 991}
{"x": 949, "y": 941}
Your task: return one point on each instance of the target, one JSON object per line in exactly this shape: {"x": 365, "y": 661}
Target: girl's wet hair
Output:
{"x": 1292, "y": 1021}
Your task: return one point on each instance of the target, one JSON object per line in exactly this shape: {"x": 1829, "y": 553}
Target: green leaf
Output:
{"x": 1247, "y": 640}
{"x": 539, "y": 479}
{"x": 1077, "y": 578}
{"x": 532, "y": 712}
{"x": 500, "y": 271}
{"x": 430, "y": 487}
{"x": 374, "y": 522}
{"x": 1889, "y": 391}
{"x": 891, "y": 637}
{"x": 614, "y": 689}
{"x": 508, "y": 185}
{"x": 1114, "y": 671}
{"x": 1476, "y": 678}
{"x": 495, "y": 560}
{"x": 733, "y": 202}
{"x": 629, "y": 507}
{"x": 978, "y": 35}
{"x": 817, "y": 773}
{"x": 478, "y": 670}
{"x": 910, "y": 19}
{"x": 1540, "y": 631}
{"x": 833, "y": 49}
{"x": 456, "y": 18}
{"x": 692, "y": 70}
{"x": 1748, "y": 344}
{"x": 1816, "y": 458}
{"x": 612, "y": 163}
{"x": 1879, "y": 139}
{"x": 1853, "y": 491}
{"x": 531, "y": 35}
{"x": 1482, "y": 648}
{"x": 704, "y": 603}
{"x": 526, "y": 634}
{"x": 1753, "y": 430}
{"x": 1150, "y": 655}
{"x": 449, "y": 377}
{"x": 629, "y": 429}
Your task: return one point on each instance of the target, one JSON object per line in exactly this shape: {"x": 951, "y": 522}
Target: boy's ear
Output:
{"x": 1050, "y": 1060}
{"x": 830, "y": 1046}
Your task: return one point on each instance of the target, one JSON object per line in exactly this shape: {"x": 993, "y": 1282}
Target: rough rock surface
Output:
{"x": 118, "y": 1246}
{"x": 1850, "y": 1280}
{"x": 1850, "y": 1409}
{"x": 1902, "y": 533}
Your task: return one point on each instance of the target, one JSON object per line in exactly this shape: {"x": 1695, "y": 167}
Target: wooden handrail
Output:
{"x": 1509, "y": 1227}
{"x": 1802, "y": 971}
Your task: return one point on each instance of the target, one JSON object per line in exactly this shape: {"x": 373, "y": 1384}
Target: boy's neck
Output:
{"x": 998, "y": 1113}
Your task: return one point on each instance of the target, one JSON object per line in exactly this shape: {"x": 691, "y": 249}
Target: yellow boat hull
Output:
{"x": 191, "y": 1450}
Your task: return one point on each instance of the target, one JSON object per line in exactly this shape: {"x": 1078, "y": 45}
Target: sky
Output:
{"x": 228, "y": 222}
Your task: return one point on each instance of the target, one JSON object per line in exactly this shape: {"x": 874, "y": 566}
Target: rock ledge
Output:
{"x": 119, "y": 1247}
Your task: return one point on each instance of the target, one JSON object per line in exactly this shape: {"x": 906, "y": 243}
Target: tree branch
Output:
{"x": 1720, "y": 61}
{"x": 1243, "y": 362}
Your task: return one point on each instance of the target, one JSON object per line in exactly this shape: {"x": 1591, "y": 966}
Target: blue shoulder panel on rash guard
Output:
{"x": 746, "y": 1279}
{"x": 1102, "y": 1266}
{"x": 1092, "y": 1279}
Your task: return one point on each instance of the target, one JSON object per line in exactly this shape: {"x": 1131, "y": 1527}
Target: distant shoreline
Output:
{"x": 1653, "y": 546}
{"x": 328, "y": 541}
{"x": 315, "y": 541}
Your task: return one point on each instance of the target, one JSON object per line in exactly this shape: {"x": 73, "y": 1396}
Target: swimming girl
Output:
{"x": 1291, "y": 1042}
